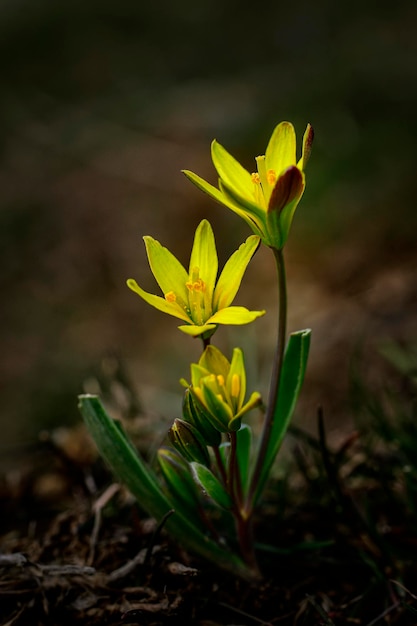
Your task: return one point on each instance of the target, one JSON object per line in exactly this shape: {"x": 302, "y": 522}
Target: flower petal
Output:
{"x": 232, "y": 274}
{"x": 231, "y": 171}
{"x": 254, "y": 401}
{"x": 214, "y": 361}
{"x": 168, "y": 271}
{"x": 237, "y": 367}
{"x": 307, "y": 146}
{"x": 220, "y": 412}
{"x": 203, "y": 185}
{"x": 172, "y": 308}
{"x": 250, "y": 211}
{"x": 289, "y": 186}
{"x": 204, "y": 256}
{"x": 223, "y": 196}
{"x": 286, "y": 218}
{"x": 196, "y": 331}
{"x": 281, "y": 150}
{"x": 198, "y": 372}
{"x": 235, "y": 315}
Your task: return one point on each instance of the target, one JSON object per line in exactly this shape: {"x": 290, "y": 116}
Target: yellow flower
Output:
{"x": 265, "y": 199}
{"x": 219, "y": 387}
{"x": 194, "y": 296}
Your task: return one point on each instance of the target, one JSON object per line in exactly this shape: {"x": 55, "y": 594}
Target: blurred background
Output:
{"x": 104, "y": 102}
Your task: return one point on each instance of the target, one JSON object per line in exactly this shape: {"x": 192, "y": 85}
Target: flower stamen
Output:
{"x": 197, "y": 287}
{"x": 271, "y": 177}
{"x": 235, "y": 386}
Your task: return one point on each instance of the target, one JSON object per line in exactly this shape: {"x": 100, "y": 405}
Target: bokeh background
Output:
{"x": 104, "y": 102}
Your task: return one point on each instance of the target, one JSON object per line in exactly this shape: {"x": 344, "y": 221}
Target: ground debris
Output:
{"x": 97, "y": 559}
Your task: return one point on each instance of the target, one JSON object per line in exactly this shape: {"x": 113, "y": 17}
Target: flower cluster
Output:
{"x": 210, "y": 473}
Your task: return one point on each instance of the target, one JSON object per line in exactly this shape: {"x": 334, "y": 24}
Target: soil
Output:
{"x": 76, "y": 548}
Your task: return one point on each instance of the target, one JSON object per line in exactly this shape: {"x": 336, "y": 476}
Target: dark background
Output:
{"x": 103, "y": 103}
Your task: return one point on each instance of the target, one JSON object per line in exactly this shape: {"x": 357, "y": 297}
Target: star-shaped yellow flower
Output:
{"x": 266, "y": 199}
{"x": 194, "y": 296}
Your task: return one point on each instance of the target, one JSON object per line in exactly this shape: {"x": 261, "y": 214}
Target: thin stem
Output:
{"x": 244, "y": 529}
{"x": 232, "y": 465}
{"x": 244, "y": 526}
{"x": 275, "y": 377}
{"x": 220, "y": 465}
{"x": 235, "y": 484}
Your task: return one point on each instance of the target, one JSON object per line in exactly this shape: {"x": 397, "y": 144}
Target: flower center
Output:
{"x": 264, "y": 181}
{"x": 196, "y": 297}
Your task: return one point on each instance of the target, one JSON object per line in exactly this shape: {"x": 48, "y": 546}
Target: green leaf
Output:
{"x": 119, "y": 453}
{"x": 292, "y": 377}
{"x": 211, "y": 486}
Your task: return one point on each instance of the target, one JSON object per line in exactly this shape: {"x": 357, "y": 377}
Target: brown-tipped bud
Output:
{"x": 307, "y": 144}
{"x": 187, "y": 440}
{"x": 289, "y": 187}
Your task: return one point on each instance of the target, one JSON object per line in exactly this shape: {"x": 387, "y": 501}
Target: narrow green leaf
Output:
{"x": 129, "y": 468}
{"x": 292, "y": 377}
{"x": 211, "y": 486}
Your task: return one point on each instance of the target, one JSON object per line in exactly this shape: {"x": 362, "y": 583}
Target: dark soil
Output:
{"x": 76, "y": 549}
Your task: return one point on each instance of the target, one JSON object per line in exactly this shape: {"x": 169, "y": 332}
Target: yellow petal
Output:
{"x": 281, "y": 150}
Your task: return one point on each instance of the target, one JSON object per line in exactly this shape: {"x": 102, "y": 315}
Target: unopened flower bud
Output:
{"x": 188, "y": 442}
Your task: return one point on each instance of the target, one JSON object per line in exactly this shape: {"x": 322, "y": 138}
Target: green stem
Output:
{"x": 220, "y": 465}
{"x": 244, "y": 527}
{"x": 275, "y": 377}
{"x": 235, "y": 483}
{"x": 244, "y": 524}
